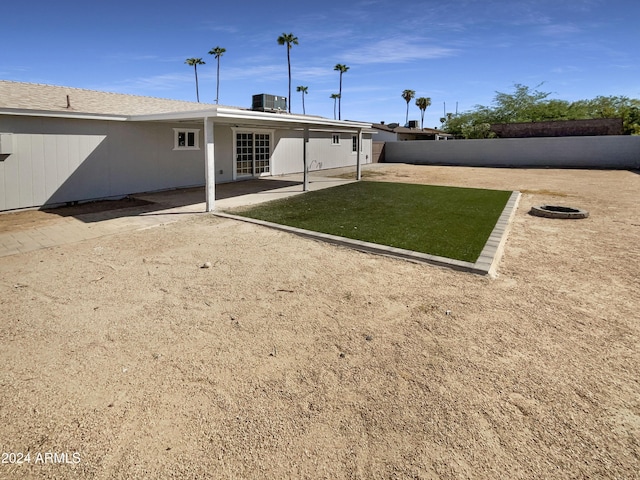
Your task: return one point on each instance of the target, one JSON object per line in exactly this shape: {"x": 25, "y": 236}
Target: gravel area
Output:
{"x": 289, "y": 358}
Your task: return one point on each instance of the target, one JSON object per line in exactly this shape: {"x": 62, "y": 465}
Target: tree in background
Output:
{"x": 613, "y": 107}
{"x": 217, "y": 53}
{"x": 304, "y": 91}
{"x": 335, "y": 96}
{"x": 288, "y": 39}
{"x": 408, "y": 95}
{"x": 524, "y": 105}
{"x": 194, "y": 62}
{"x": 423, "y": 103}
{"x": 527, "y": 105}
{"x": 342, "y": 69}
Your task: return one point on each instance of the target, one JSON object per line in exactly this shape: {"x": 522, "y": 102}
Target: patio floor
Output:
{"x": 30, "y": 230}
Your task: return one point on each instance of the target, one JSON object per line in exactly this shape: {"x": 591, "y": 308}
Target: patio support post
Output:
{"x": 210, "y": 168}
{"x": 359, "y": 147}
{"x": 305, "y": 140}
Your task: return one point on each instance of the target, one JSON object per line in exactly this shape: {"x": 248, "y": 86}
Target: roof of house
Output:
{"x": 382, "y": 126}
{"x": 18, "y": 98}
{"x": 35, "y": 96}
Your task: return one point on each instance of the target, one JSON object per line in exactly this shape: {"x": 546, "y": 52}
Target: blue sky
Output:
{"x": 452, "y": 51}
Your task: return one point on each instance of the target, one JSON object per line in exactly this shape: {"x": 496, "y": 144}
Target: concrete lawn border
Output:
{"x": 486, "y": 264}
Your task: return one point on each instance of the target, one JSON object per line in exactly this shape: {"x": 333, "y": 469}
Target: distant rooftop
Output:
{"x": 395, "y": 128}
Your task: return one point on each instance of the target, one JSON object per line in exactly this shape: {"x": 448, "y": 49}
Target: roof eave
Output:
{"x": 225, "y": 115}
{"x": 231, "y": 115}
{"x": 60, "y": 114}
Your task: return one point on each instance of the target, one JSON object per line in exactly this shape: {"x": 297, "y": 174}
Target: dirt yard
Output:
{"x": 290, "y": 358}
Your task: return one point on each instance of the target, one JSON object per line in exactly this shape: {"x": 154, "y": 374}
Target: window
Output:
{"x": 186, "y": 139}
{"x": 335, "y": 139}
{"x": 354, "y": 143}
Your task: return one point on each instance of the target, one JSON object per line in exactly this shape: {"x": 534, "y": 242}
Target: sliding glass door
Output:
{"x": 252, "y": 153}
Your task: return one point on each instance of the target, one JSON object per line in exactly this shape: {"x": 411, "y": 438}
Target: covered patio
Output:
{"x": 255, "y": 119}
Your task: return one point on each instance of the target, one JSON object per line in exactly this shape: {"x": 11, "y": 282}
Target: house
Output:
{"x": 61, "y": 144}
{"x": 392, "y": 132}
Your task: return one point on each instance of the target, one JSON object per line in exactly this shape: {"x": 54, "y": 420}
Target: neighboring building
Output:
{"x": 62, "y": 144}
{"x": 392, "y": 132}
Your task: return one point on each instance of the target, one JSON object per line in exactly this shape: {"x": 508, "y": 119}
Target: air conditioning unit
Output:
{"x": 269, "y": 103}
{"x": 414, "y": 124}
{"x": 6, "y": 144}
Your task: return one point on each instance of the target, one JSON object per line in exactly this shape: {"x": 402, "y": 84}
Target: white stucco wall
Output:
{"x": 62, "y": 160}
{"x": 286, "y": 155}
{"x": 587, "y": 152}
{"x": 384, "y": 136}
{"x": 321, "y": 153}
{"x": 223, "y": 138}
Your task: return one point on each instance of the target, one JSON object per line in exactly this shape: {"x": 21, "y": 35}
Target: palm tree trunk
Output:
{"x": 218, "y": 82}
{"x": 303, "y": 110}
{"x": 289, "y": 66}
{"x": 340, "y": 99}
{"x": 195, "y": 68}
{"x": 406, "y": 120}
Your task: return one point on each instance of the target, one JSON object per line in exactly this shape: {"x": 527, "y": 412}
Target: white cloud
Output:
{"x": 566, "y": 69}
{"x": 397, "y": 50}
{"x": 155, "y": 83}
{"x": 217, "y": 27}
{"x": 313, "y": 72}
{"x": 559, "y": 30}
{"x": 253, "y": 72}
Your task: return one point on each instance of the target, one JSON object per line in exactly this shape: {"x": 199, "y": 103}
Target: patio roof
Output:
{"x": 230, "y": 116}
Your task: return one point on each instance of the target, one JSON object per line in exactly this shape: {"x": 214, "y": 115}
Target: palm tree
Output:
{"x": 288, "y": 39}
{"x": 423, "y": 103}
{"x": 408, "y": 95}
{"x": 194, "y": 62}
{"x": 342, "y": 69}
{"x": 217, "y": 53}
{"x": 304, "y": 91}
{"x": 335, "y": 96}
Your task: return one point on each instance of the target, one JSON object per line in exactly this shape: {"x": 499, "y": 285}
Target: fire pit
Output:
{"x": 556, "y": 211}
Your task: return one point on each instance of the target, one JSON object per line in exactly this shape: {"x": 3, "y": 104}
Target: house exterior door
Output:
{"x": 252, "y": 154}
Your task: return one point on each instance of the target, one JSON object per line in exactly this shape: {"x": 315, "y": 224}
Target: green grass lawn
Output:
{"x": 445, "y": 221}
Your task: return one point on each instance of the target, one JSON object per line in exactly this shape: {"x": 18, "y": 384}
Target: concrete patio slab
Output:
{"x": 163, "y": 208}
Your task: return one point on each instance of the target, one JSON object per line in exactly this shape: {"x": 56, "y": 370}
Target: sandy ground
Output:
{"x": 290, "y": 358}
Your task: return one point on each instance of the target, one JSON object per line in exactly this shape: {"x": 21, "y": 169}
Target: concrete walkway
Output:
{"x": 165, "y": 207}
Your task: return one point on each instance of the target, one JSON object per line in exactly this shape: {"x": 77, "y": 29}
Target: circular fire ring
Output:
{"x": 556, "y": 211}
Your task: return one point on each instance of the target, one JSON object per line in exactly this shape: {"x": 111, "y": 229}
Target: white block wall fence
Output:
{"x": 610, "y": 152}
